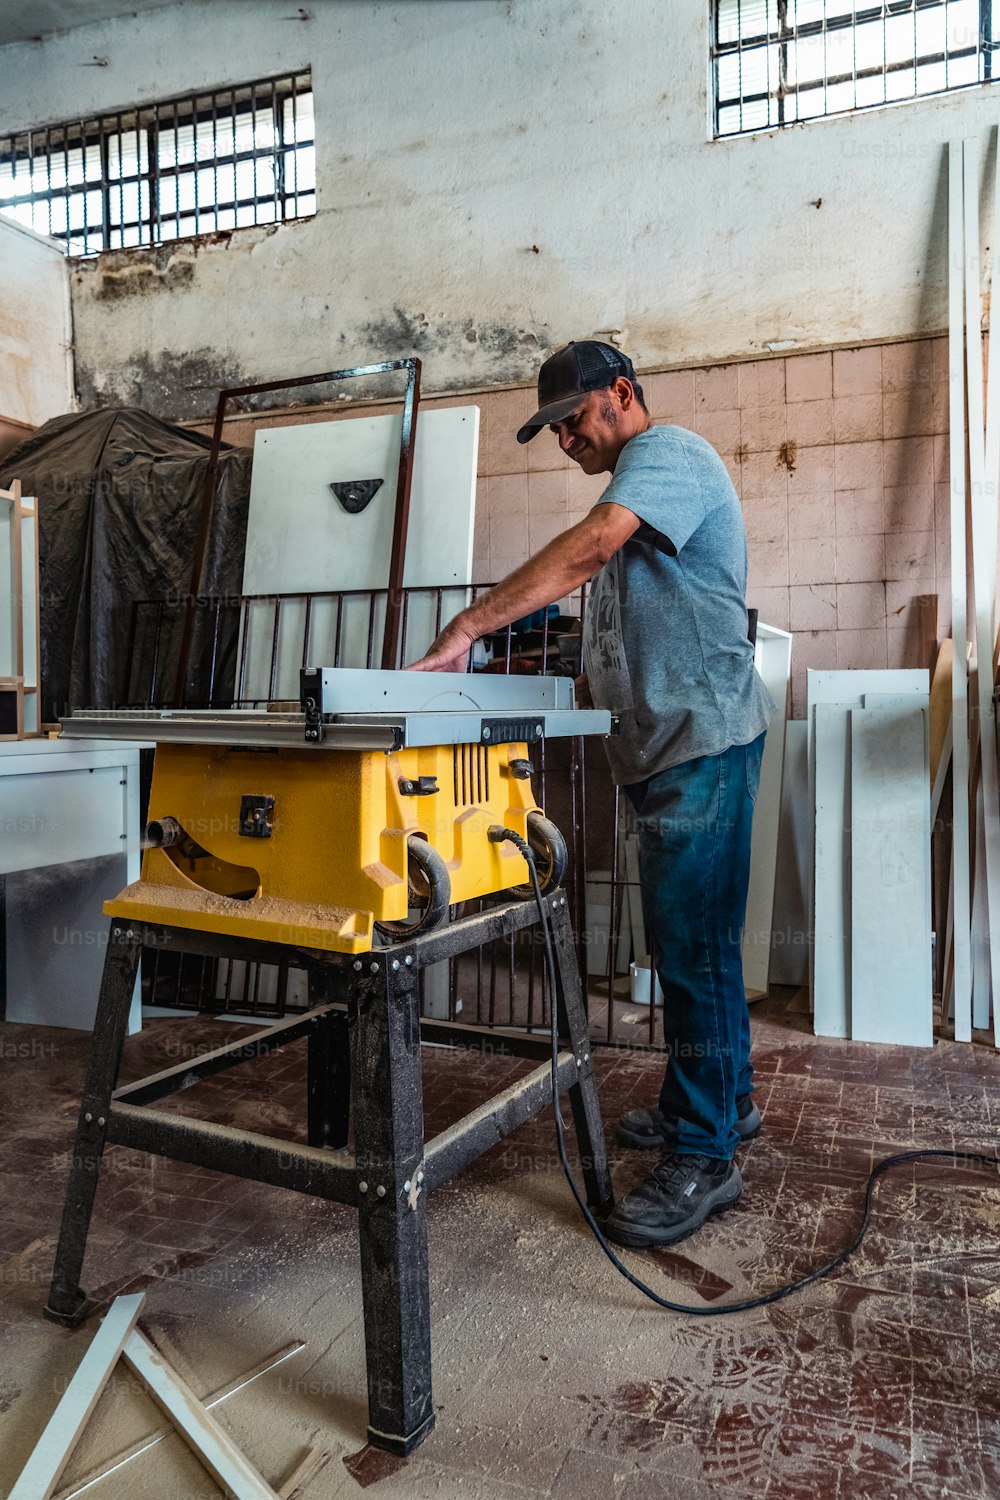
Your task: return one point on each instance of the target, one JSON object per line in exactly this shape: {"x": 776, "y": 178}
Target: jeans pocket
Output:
{"x": 753, "y": 754}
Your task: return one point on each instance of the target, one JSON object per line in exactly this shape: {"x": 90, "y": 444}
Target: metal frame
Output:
{"x": 404, "y": 481}
{"x": 363, "y": 1038}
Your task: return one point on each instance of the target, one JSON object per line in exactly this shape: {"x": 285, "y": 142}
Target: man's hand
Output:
{"x": 449, "y": 653}
{"x": 582, "y": 686}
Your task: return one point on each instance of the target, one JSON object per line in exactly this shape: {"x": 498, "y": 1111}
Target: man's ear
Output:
{"x": 623, "y": 390}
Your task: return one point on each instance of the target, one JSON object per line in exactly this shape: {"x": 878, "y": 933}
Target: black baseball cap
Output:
{"x": 569, "y": 375}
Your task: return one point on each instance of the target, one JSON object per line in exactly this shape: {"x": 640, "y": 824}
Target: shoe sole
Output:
{"x": 651, "y": 1239}
{"x": 664, "y": 1142}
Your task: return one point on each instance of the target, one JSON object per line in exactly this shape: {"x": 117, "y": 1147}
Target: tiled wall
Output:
{"x": 841, "y": 462}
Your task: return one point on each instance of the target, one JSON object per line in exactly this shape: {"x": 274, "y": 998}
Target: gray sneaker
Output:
{"x": 648, "y": 1128}
{"x": 675, "y": 1199}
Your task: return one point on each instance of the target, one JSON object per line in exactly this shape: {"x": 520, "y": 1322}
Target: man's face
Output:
{"x": 591, "y": 436}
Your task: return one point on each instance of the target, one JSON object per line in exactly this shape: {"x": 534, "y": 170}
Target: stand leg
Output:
{"x": 329, "y": 1082}
{"x": 392, "y": 1207}
{"x": 583, "y": 1094}
{"x": 121, "y": 963}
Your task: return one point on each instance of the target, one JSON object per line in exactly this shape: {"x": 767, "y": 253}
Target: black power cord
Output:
{"x": 499, "y": 835}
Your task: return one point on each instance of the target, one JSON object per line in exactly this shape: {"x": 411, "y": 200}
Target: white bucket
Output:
{"x": 640, "y": 983}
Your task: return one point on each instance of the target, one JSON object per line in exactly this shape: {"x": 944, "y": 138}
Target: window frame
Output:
{"x": 48, "y": 150}
{"x": 784, "y": 36}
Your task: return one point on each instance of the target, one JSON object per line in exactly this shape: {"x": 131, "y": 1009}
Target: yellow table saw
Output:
{"x": 333, "y": 836}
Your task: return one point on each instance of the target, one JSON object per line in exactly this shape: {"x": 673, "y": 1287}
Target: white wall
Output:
{"x": 36, "y": 372}
{"x": 496, "y": 176}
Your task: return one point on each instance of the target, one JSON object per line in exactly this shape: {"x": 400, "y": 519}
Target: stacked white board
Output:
{"x": 868, "y": 761}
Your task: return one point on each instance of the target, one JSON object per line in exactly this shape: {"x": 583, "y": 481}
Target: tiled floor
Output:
{"x": 552, "y": 1376}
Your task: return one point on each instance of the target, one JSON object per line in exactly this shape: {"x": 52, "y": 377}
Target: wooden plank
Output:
{"x": 943, "y": 765}
{"x": 961, "y": 934}
{"x": 304, "y": 1472}
{"x": 891, "y": 991}
{"x": 230, "y": 1468}
{"x": 940, "y": 705}
{"x": 41, "y": 1473}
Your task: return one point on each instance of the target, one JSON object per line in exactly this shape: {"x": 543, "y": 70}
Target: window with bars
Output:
{"x": 218, "y": 160}
{"x": 780, "y": 61}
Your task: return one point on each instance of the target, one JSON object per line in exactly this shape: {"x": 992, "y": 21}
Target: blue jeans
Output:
{"x": 694, "y": 865}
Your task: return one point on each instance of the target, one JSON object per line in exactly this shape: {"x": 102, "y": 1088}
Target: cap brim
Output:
{"x": 556, "y": 411}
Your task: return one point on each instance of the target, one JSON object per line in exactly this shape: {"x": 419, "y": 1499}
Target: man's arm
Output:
{"x": 561, "y": 566}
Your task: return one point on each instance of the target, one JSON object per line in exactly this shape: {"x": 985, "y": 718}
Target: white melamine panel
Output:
{"x": 891, "y": 996}
{"x": 69, "y": 841}
{"x": 773, "y": 660}
{"x": 300, "y": 539}
{"x": 843, "y": 690}
{"x": 790, "y": 918}
{"x": 847, "y": 689}
{"x": 831, "y": 906}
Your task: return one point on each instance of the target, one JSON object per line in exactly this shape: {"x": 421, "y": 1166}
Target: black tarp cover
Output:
{"x": 120, "y": 496}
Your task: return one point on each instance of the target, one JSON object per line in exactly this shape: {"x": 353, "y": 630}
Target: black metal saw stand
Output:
{"x": 363, "y": 1058}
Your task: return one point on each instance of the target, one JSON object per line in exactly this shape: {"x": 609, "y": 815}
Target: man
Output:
{"x": 665, "y": 647}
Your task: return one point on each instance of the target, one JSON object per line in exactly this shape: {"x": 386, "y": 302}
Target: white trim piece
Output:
{"x": 962, "y": 983}
{"x": 773, "y": 661}
{"x": 41, "y": 1473}
{"x": 985, "y": 909}
{"x": 947, "y": 980}
{"x": 231, "y": 1469}
{"x": 891, "y": 990}
{"x": 981, "y": 936}
{"x": 216, "y": 1398}
{"x": 991, "y": 490}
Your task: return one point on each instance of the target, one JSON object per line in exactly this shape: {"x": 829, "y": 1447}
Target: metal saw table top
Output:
{"x": 346, "y": 708}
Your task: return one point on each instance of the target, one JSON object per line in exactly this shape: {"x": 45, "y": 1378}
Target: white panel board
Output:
{"x": 300, "y": 539}
{"x": 831, "y": 927}
{"x": 891, "y": 996}
{"x": 69, "y": 840}
{"x": 848, "y": 689}
{"x": 8, "y": 603}
{"x": 790, "y": 917}
{"x": 773, "y": 660}
{"x": 29, "y": 589}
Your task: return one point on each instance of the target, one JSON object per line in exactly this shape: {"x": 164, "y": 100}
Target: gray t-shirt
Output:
{"x": 665, "y": 637}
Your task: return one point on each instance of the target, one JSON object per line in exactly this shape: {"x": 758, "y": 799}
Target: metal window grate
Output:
{"x": 776, "y": 62}
{"x": 209, "y": 161}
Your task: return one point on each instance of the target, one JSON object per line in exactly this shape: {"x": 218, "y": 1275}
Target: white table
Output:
{"x": 69, "y": 840}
